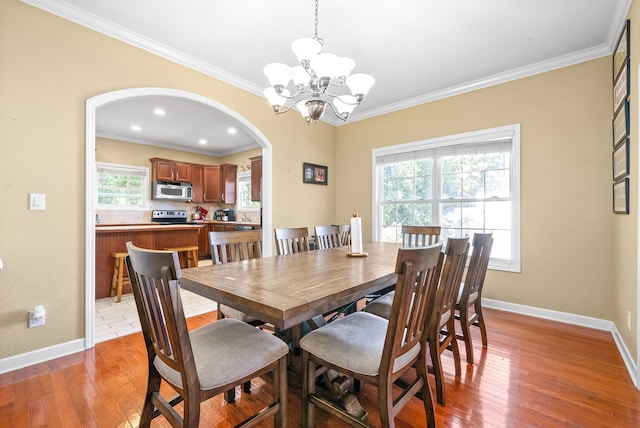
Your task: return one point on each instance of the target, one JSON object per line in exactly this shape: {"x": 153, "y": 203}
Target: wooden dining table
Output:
{"x": 288, "y": 290}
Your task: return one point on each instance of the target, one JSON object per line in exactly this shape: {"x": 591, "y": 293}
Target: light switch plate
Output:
{"x": 36, "y": 201}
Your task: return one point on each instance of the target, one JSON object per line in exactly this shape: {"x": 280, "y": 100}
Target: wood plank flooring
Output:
{"x": 535, "y": 373}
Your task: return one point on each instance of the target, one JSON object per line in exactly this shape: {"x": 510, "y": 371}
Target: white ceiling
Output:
{"x": 417, "y": 50}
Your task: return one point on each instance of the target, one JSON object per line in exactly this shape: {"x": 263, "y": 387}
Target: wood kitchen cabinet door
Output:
{"x": 169, "y": 170}
{"x": 229, "y": 176}
{"x": 196, "y": 183}
{"x": 256, "y": 178}
{"x": 211, "y": 183}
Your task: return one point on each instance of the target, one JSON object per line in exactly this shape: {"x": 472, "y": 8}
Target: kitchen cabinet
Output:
{"x": 219, "y": 182}
{"x": 256, "y": 178}
{"x": 169, "y": 170}
{"x": 204, "y": 250}
{"x": 197, "y": 184}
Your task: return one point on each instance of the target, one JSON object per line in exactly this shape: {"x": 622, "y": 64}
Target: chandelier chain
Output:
{"x": 316, "y": 35}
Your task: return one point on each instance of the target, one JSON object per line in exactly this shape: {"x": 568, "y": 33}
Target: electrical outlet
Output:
{"x": 36, "y": 317}
{"x": 629, "y": 320}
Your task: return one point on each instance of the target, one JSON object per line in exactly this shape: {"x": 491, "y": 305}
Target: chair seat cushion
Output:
{"x": 354, "y": 342}
{"x": 226, "y": 350}
{"x": 472, "y": 297}
{"x": 230, "y": 312}
{"x": 381, "y": 306}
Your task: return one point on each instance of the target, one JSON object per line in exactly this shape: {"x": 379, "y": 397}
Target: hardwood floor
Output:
{"x": 535, "y": 373}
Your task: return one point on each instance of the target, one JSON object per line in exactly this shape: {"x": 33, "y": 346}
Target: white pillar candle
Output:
{"x": 356, "y": 235}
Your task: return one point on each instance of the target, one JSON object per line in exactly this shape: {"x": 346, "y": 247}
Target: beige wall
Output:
{"x": 565, "y": 180}
{"x": 50, "y": 67}
{"x": 576, "y": 256}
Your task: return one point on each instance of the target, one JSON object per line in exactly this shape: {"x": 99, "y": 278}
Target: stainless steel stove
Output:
{"x": 170, "y": 217}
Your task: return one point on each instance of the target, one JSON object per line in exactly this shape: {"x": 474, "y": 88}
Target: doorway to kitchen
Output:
{"x": 92, "y": 105}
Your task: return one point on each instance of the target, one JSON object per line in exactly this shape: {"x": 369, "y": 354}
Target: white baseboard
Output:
{"x": 41, "y": 355}
{"x": 590, "y": 322}
{"x": 46, "y": 354}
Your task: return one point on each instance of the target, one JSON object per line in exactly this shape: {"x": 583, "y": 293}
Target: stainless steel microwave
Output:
{"x": 172, "y": 191}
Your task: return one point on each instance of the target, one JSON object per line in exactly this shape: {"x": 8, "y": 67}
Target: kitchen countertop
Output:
{"x": 156, "y": 226}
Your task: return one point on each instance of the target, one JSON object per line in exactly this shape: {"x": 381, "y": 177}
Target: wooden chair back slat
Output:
{"x": 327, "y": 237}
{"x": 420, "y": 236}
{"x": 233, "y": 246}
{"x": 291, "y": 240}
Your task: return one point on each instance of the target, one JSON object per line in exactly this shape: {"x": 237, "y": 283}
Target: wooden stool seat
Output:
{"x": 192, "y": 254}
{"x": 119, "y": 279}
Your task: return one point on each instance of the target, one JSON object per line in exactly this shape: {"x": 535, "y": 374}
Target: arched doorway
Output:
{"x": 90, "y": 142}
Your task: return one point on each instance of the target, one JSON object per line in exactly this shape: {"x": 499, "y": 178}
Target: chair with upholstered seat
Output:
{"x": 419, "y": 236}
{"x": 327, "y": 237}
{"x": 469, "y": 305}
{"x": 441, "y": 334}
{"x": 291, "y": 240}
{"x": 234, "y": 246}
{"x": 205, "y": 362}
{"x": 378, "y": 351}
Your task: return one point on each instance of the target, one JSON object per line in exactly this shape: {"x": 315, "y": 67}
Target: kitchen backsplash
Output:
{"x": 122, "y": 217}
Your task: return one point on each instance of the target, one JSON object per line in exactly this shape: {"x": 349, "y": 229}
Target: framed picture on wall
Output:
{"x": 622, "y": 87}
{"x": 621, "y": 196}
{"x": 621, "y": 53}
{"x": 620, "y": 124}
{"x": 314, "y": 174}
{"x": 620, "y": 160}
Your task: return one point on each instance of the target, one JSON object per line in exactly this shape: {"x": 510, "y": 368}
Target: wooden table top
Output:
{"x": 288, "y": 290}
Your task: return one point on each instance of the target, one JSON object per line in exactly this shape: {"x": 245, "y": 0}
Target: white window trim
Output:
{"x": 244, "y": 175}
{"x": 145, "y": 190}
{"x": 509, "y": 131}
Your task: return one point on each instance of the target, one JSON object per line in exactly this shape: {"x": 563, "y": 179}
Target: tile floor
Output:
{"x": 115, "y": 319}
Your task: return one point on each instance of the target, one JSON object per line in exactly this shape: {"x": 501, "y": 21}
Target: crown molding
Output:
{"x": 100, "y": 25}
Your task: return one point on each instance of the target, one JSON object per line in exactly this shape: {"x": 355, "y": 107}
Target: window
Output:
{"x": 465, "y": 183}
{"x": 244, "y": 193}
{"x": 122, "y": 186}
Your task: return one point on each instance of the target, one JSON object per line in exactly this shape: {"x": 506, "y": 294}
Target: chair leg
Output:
{"x": 280, "y": 392}
{"x": 466, "y": 334}
{"x": 451, "y": 333}
{"x": 308, "y": 387}
{"x": 427, "y": 397}
{"x": 120, "y": 276}
{"x": 246, "y": 387}
{"x": 153, "y": 387}
{"x": 230, "y": 395}
{"x": 385, "y": 405}
{"x": 437, "y": 371}
{"x": 483, "y": 329}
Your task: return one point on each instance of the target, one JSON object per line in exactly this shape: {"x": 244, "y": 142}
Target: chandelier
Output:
{"x": 319, "y": 79}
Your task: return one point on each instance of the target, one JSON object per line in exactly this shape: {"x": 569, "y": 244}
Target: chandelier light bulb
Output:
{"x": 359, "y": 84}
{"x": 278, "y": 74}
{"x": 276, "y": 100}
{"x": 305, "y": 49}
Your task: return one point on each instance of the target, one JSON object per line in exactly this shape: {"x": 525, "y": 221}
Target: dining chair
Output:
{"x": 234, "y": 246}
{"x": 345, "y": 233}
{"x": 378, "y": 351}
{"x": 327, "y": 237}
{"x": 291, "y": 240}
{"x": 418, "y": 236}
{"x": 441, "y": 334}
{"x": 202, "y": 363}
{"x": 469, "y": 304}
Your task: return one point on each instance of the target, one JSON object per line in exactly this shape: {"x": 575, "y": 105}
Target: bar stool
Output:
{"x": 192, "y": 254}
{"x": 118, "y": 279}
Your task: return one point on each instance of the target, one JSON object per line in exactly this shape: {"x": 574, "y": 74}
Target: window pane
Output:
{"x": 498, "y": 215}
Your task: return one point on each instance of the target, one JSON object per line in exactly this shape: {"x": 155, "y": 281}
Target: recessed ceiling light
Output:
{"x": 231, "y": 130}
{"x": 159, "y": 112}
{"x": 135, "y": 127}
{"x": 202, "y": 141}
